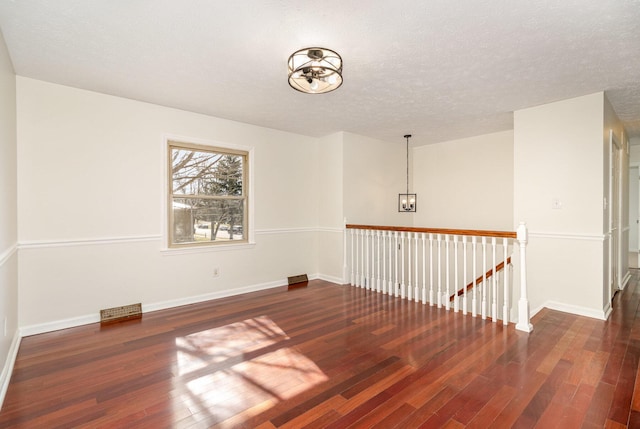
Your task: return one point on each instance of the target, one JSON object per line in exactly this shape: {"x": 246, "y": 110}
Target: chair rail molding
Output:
{"x": 8, "y": 253}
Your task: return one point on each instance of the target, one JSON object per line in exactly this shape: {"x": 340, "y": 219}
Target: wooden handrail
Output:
{"x": 476, "y": 232}
{"x": 479, "y": 280}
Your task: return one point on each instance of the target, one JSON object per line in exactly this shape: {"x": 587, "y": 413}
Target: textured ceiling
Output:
{"x": 438, "y": 69}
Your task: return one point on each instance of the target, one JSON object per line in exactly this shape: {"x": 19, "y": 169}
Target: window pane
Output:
{"x": 197, "y": 172}
{"x": 206, "y": 220}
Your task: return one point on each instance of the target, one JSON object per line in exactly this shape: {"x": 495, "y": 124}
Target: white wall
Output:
{"x": 465, "y": 184}
{"x": 90, "y": 192}
{"x": 558, "y": 154}
{"x": 374, "y": 173}
{"x": 330, "y": 206}
{"x": 8, "y": 219}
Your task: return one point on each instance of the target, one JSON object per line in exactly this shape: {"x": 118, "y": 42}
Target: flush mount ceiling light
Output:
{"x": 407, "y": 203}
{"x": 315, "y": 70}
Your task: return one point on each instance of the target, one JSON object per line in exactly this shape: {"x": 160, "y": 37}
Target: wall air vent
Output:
{"x": 116, "y": 314}
{"x": 298, "y": 281}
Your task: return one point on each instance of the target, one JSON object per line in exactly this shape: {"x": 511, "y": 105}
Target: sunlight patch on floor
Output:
{"x": 214, "y": 385}
{"x": 203, "y": 348}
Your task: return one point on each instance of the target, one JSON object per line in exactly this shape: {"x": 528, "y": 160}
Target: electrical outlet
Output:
{"x": 216, "y": 272}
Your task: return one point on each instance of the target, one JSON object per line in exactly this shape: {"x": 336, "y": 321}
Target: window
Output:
{"x": 207, "y": 195}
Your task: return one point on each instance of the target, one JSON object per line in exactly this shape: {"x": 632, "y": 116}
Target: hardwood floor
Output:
{"x": 331, "y": 356}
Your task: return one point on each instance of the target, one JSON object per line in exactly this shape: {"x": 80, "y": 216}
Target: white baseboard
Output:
{"x": 56, "y": 325}
{"x": 146, "y": 308}
{"x": 574, "y": 309}
{"x": 607, "y": 310}
{"x": 5, "y": 377}
{"x": 42, "y": 328}
{"x": 625, "y": 280}
{"x": 331, "y": 279}
{"x": 531, "y": 312}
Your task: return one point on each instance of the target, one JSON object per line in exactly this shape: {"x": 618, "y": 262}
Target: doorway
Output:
{"x": 614, "y": 215}
{"x": 634, "y": 216}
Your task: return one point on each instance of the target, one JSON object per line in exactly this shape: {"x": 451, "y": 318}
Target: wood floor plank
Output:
{"x": 421, "y": 415}
{"x": 634, "y": 419}
{"x": 542, "y": 399}
{"x": 514, "y": 409}
{"x": 487, "y": 414}
{"x": 600, "y": 404}
{"x": 635, "y": 403}
{"x": 331, "y": 356}
{"x": 593, "y": 372}
{"x": 381, "y": 420}
{"x": 610, "y": 424}
{"x": 315, "y": 414}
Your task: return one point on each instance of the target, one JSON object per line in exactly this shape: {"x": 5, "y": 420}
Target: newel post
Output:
{"x": 345, "y": 269}
{"x": 523, "y": 305}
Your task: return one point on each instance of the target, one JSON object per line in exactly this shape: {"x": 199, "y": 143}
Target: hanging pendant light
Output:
{"x": 407, "y": 202}
{"x": 315, "y": 70}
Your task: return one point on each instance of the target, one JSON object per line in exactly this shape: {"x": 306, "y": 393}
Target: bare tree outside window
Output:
{"x": 208, "y": 195}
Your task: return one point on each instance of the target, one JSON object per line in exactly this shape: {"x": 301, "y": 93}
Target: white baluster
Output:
{"x": 369, "y": 259}
{"x": 446, "y": 298}
{"x": 356, "y": 264}
{"x": 439, "y": 271}
{"x": 353, "y": 280}
{"x": 431, "y": 298}
{"x": 367, "y": 267}
{"x": 373, "y": 260}
{"x": 505, "y": 269}
{"x": 397, "y": 249}
{"x": 378, "y": 280}
{"x": 474, "y": 299}
{"x": 494, "y": 283}
{"x": 362, "y": 259}
{"x": 409, "y": 286}
{"x": 367, "y": 278}
{"x": 354, "y": 255}
{"x": 416, "y": 293}
{"x": 464, "y": 275}
{"x": 424, "y": 269}
{"x": 403, "y": 286}
{"x": 456, "y": 286}
{"x": 383, "y": 262}
{"x": 484, "y": 278}
{"x": 358, "y": 257}
{"x": 391, "y": 252}
{"x": 374, "y": 279}
{"x": 372, "y": 256}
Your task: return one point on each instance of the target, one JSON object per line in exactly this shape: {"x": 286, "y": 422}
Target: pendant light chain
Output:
{"x": 407, "y": 136}
{"x": 407, "y": 202}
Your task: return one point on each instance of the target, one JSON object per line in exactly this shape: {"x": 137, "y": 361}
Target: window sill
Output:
{"x": 170, "y": 251}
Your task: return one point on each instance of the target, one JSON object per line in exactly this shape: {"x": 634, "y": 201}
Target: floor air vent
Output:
{"x": 116, "y": 314}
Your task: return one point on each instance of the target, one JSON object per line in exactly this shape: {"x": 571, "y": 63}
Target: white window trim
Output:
{"x": 250, "y": 243}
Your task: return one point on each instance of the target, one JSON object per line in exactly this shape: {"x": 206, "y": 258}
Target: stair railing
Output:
{"x": 440, "y": 267}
